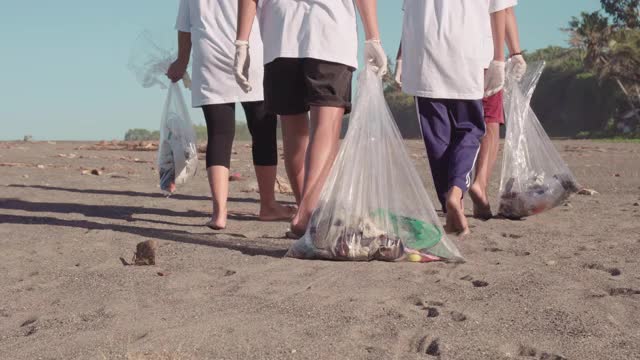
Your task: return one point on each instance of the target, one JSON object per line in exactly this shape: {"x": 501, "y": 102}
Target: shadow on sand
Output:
{"x": 129, "y": 193}
{"x": 231, "y": 242}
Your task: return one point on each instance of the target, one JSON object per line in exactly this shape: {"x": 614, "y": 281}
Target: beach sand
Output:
{"x": 561, "y": 285}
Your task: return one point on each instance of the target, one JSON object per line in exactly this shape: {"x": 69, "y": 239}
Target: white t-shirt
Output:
{"x": 212, "y": 24}
{"x": 444, "y": 47}
{"x": 495, "y": 5}
{"x": 319, "y": 29}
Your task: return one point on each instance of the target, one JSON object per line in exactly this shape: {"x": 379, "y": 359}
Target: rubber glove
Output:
{"x": 494, "y": 78}
{"x": 519, "y": 67}
{"x": 241, "y": 65}
{"x": 375, "y": 56}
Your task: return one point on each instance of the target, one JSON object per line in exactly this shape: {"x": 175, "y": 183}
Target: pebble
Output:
{"x": 589, "y": 192}
{"x": 432, "y": 312}
{"x": 434, "y": 348}
{"x": 457, "y": 316}
{"x": 480, "y": 283}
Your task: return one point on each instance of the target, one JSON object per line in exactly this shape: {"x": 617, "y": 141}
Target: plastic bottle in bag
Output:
{"x": 374, "y": 205}
{"x": 534, "y": 176}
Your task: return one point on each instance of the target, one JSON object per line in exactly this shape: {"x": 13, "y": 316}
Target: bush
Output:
{"x": 141, "y": 135}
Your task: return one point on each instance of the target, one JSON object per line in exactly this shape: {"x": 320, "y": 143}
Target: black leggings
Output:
{"x": 221, "y": 129}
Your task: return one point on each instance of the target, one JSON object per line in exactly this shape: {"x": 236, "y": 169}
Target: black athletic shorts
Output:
{"x": 293, "y": 85}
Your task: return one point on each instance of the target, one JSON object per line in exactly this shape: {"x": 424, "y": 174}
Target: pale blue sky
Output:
{"x": 63, "y": 63}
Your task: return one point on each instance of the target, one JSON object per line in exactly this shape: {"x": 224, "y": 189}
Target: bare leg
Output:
{"x": 324, "y": 142}
{"x": 295, "y": 136}
{"x": 486, "y": 161}
{"x": 456, "y": 221}
{"x": 270, "y": 209}
{"x": 219, "y": 184}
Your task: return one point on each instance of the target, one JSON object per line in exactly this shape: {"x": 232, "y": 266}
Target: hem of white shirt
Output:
{"x": 184, "y": 29}
{"x": 312, "y": 55}
{"x": 503, "y": 6}
{"x": 233, "y": 99}
{"x": 444, "y": 95}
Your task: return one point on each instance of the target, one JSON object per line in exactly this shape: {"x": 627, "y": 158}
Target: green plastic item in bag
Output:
{"x": 416, "y": 234}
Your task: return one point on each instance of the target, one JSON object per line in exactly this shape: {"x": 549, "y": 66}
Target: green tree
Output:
{"x": 625, "y": 13}
{"x": 612, "y": 51}
{"x": 591, "y": 33}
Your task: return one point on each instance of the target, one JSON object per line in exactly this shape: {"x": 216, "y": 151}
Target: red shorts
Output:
{"x": 494, "y": 109}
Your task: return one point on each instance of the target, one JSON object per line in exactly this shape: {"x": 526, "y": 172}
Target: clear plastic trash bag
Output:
{"x": 177, "y": 151}
{"x": 374, "y": 205}
{"x": 534, "y": 176}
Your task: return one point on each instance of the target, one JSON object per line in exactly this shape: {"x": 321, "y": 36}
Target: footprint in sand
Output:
{"x": 623, "y": 292}
{"x": 29, "y": 321}
{"x": 475, "y": 283}
{"x": 525, "y": 350}
{"x": 431, "y": 307}
{"x": 528, "y": 351}
{"x": 547, "y": 356}
{"x": 376, "y": 353}
{"x": 611, "y": 271}
{"x": 511, "y": 236}
{"x": 521, "y": 253}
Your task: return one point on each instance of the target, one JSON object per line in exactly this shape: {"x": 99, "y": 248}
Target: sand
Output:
{"x": 563, "y": 284}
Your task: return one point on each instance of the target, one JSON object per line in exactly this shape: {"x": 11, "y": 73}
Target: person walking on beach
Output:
{"x": 494, "y": 115}
{"x": 208, "y": 28}
{"x": 443, "y": 66}
{"x": 310, "y": 53}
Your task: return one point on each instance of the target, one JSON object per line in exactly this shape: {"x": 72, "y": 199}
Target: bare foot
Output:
{"x": 277, "y": 212}
{"x": 456, "y": 221}
{"x": 481, "y": 206}
{"x": 218, "y": 221}
{"x": 297, "y": 228}
{"x": 216, "y": 225}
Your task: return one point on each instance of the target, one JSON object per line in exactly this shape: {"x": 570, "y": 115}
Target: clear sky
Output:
{"x": 63, "y": 63}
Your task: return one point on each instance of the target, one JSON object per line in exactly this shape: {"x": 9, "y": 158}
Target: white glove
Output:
{"x": 398, "y": 77}
{"x": 519, "y": 67}
{"x": 375, "y": 56}
{"x": 494, "y": 78}
{"x": 186, "y": 80}
{"x": 241, "y": 65}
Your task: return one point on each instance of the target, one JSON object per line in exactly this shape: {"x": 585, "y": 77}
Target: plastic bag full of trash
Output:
{"x": 374, "y": 205}
{"x": 534, "y": 176}
{"x": 177, "y": 151}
